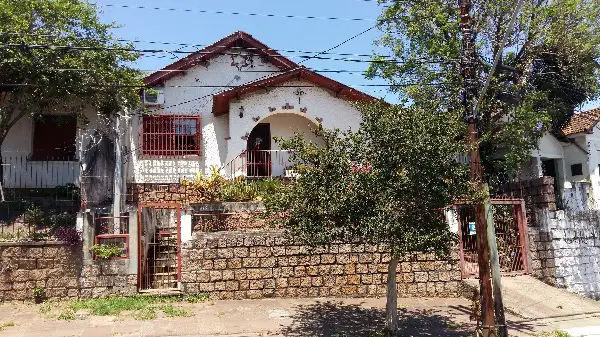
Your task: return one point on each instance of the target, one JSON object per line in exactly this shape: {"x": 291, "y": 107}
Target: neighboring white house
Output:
{"x": 45, "y": 152}
{"x": 221, "y": 107}
{"x": 573, "y": 159}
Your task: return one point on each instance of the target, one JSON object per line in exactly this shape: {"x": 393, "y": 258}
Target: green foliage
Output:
{"x": 105, "y": 252}
{"x": 555, "y": 333}
{"x": 6, "y": 325}
{"x": 216, "y": 188}
{"x": 555, "y": 47}
{"x": 197, "y": 298}
{"x": 142, "y": 307}
{"x": 386, "y": 184}
{"x": 39, "y": 292}
{"x": 34, "y": 216}
{"x": 107, "y": 84}
{"x": 241, "y": 190}
{"x": 171, "y": 311}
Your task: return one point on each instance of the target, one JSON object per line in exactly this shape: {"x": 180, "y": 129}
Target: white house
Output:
{"x": 573, "y": 159}
{"x": 45, "y": 152}
{"x": 221, "y": 107}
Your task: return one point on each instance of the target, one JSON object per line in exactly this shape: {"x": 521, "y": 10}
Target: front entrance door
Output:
{"x": 259, "y": 151}
{"x": 159, "y": 247}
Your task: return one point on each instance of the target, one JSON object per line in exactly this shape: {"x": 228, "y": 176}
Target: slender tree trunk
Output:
{"x": 1, "y": 171}
{"x": 391, "y": 319}
{"x": 118, "y": 178}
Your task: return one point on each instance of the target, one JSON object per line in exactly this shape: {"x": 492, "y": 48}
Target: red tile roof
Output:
{"x": 582, "y": 122}
{"x": 221, "y": 100}
{"x": 237, "y": 39}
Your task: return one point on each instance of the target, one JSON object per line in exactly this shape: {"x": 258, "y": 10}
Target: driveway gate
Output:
{"x": 511, "y": 237}
{"x": 160, "y": 247}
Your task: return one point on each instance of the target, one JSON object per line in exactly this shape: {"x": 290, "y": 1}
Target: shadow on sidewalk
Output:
{"x": 334, "y": 319}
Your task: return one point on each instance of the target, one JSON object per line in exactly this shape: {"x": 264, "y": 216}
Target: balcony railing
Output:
{"x": 259, "y": 164}
{"x": 22, "y": 172}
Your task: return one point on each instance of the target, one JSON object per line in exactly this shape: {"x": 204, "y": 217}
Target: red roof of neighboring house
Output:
{"x": 582, "y": 122}
{"x": 221, "y": 100}
{"x": 237, "y": 39}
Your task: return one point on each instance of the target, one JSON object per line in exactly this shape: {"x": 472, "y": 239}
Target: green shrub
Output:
{"x": 105, "y": 252}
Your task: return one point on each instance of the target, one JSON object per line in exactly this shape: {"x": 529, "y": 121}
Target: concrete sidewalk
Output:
{"x": 275, "y": 317}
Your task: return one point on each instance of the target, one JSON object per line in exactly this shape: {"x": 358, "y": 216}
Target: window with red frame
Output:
{"x": 54, "y": 138}
{"x": 167, "y": 135}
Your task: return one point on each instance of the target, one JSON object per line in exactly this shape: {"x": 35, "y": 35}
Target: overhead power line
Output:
{"x": 196, "y": 45}
{"x": 157, "y": 51}
{"x": 202, "y": 11}
{"x": 340, "y": 44}
{"x": 223, "y": 86}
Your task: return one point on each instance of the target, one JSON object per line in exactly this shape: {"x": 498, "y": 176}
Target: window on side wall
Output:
{"x": 166, "y": 135}
{"x": 54, "y": 138}
{"x": 576, "y": 169}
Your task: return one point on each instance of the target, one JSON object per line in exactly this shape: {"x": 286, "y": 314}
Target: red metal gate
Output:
{"x": 511, "y": 237}
{"x": 159, "y": 247}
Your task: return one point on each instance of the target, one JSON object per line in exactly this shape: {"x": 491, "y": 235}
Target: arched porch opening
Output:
{"x": 263, "y": 155}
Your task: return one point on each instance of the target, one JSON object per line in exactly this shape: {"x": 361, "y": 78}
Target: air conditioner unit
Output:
{"x": 153, "y": 97}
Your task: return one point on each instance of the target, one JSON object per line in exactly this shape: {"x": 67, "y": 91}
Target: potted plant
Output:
{"x": 105, "y": 252}
{"x": 39, "y": 295}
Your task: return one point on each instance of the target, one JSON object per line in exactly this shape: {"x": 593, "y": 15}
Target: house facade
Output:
{"x": 573, "y": 160}
{"x": 221, "y": 107}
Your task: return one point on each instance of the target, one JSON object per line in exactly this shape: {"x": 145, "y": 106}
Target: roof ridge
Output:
{"x": 215, "y": 49}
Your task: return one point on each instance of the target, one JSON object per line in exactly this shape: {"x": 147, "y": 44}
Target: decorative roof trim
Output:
{"x": 237, "y": 39}
{"x": 221, "y": 100}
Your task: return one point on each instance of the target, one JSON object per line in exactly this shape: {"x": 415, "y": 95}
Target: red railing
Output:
{"x": 260, "y": 164}
{"x": 170, "y": 135}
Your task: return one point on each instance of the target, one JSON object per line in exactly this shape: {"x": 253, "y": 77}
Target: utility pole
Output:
{"x": 468, "y": 65}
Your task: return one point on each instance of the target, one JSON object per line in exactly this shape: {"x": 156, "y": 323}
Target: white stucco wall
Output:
{"x": 319, "y": 103}
{"x": 21, "y": 172}
{"x": 184, "y": 97}
{"x": 222, "y": 136}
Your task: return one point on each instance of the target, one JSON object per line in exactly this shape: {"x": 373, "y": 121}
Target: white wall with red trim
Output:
{"x": 223, "y": 137}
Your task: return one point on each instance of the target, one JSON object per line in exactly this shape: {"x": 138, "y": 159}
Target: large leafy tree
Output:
{"x": 385, "y": 184}
{"x": 57, "y": 56}
{"x": 554, "y": 47}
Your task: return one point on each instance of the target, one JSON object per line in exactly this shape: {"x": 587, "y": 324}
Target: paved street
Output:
{"x": 281, "y": 317}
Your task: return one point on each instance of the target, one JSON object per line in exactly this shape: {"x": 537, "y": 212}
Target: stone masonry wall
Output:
{"x": 174, "y": 193}
{"x": 573, "y": 254}
{"x": 239, "y": 265}
{"x": 59, "y": 270}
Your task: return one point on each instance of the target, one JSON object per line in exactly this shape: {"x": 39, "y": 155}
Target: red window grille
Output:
{"x": 169, "y": 135}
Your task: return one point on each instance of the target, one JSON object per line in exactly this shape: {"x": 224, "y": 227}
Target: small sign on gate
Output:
{"x": 472, "y": 228}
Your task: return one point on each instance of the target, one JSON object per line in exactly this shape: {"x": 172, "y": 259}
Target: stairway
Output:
{"x": 162, "y": 259}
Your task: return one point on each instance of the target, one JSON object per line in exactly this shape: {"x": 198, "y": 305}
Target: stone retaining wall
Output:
{"x": 59, "y": 270}
{"x": 238, "y": 265}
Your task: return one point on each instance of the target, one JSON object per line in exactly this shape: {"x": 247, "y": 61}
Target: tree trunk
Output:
{"x": 2, "y": 171}
{"x": 118, "y": 178}
{"x": 391, "y": 319}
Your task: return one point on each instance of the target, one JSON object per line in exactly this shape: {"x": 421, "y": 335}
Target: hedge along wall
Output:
{"x": 59, "y": 270}
{"x": 240, "y": 265}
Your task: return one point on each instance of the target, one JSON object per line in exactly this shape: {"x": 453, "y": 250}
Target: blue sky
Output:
{"x": 276, "y": 32}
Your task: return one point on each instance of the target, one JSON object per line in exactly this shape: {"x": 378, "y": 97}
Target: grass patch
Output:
{"x": 138, "y": 307}
{"x": 197, "y": 298}
{"x": 6, "y": 325}
{"x": 112, "y": 306}
{"x": 66, "y": 315}
{"x": 145, "y": 314}
{"x": 555, "y": 333}
{"x": 170, "y": 311}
